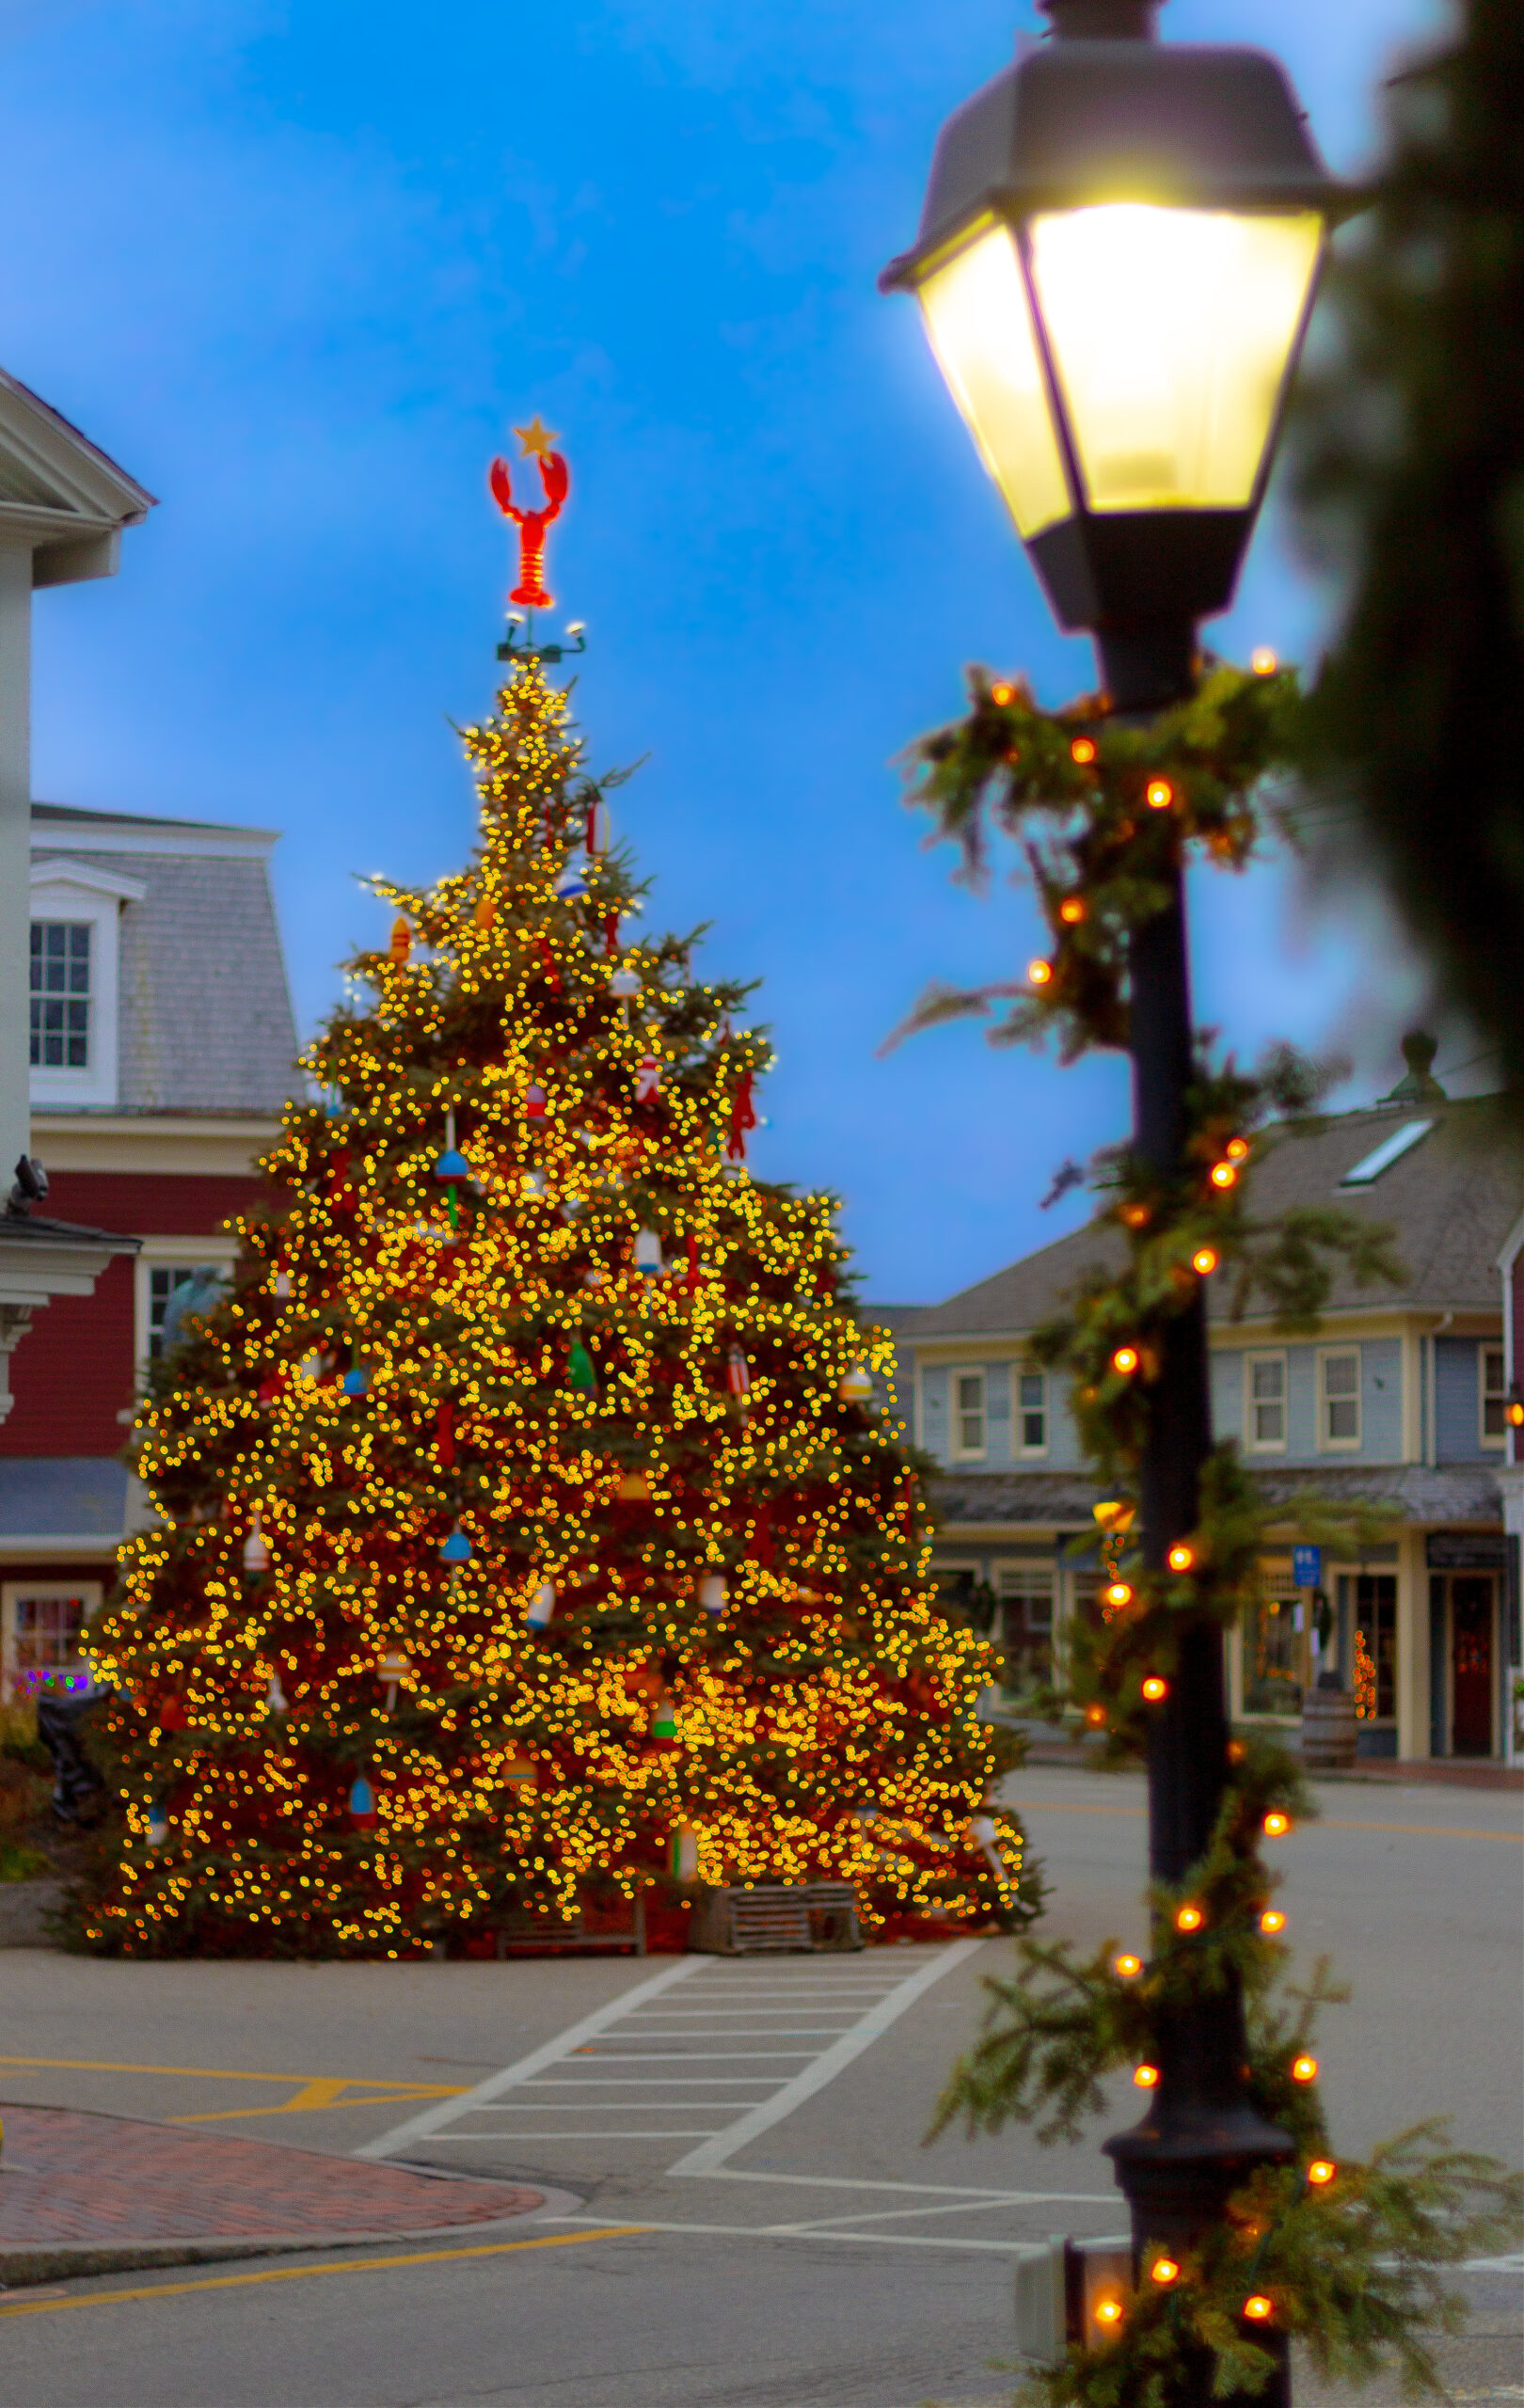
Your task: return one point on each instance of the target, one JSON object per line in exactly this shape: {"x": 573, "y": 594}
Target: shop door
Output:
{"x": 1470, "y": 1640}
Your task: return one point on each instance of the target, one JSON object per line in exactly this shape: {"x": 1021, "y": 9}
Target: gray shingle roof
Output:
{"x": 1457, "y": 1497}
{"x": 206, "y": 1023}
{"x": 1451, "y": 1200}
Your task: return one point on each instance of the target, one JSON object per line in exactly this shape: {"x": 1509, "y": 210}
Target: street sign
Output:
{"x": 1307, "y": 1566}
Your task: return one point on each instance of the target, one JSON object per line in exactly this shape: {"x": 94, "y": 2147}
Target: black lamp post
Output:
{"x": 1116, "y": 264}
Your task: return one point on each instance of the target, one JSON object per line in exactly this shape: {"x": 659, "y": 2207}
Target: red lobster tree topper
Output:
{"x": 532, "y": 524}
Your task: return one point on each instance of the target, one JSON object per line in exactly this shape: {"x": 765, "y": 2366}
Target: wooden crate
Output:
{"x": 776, "y": 1919}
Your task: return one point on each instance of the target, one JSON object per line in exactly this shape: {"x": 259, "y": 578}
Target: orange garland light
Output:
{"x": 1155, "y": 1688}
{"x": 1083, "y": 751}
{"x": 1071, "y": 909}
{"x": 1189, "y": 1919}
{"x": 1304, "y": 2068}
{"x": 1276, "y": 1824}
{"x": 1224, "y": 1175}
{"x": 1272, "y": 1920}
{"x": 1129, "y": 1966}
{"x": 1039, "y": 972}
{"x": 1257, "y": 2308}
{"x": 1125, "y": 1361}
{"x": 1322, "y": 2170}
{"x": 1204, "y": 1261}
{"x": 1182, "y": 1557}
{"x": 1146, "y": 2077}
{"x": 1161, "y": 794}
{"x": 1165, "y": 2271}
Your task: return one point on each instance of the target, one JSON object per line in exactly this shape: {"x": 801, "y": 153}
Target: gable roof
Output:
{"x": 60, "y": 494}
{"x": 1451, "y": 1196}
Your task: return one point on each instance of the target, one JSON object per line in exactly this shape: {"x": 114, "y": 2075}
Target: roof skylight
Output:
{"x": 1390, "y": 1149}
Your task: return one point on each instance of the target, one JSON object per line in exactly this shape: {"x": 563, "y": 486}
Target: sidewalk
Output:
{"x": 93, "y": 2194}
{"x": 1444, "y": 1772}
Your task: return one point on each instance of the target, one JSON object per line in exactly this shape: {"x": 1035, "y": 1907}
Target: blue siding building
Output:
{"x": 1395, "y": 1404}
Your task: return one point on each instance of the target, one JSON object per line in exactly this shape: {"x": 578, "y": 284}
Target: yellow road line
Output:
{"x": 1329, "y": 1822}
{"x": 222, "y": 2073}
{"x": 305, "y": 2274}
{"x": 312, "y": 2100}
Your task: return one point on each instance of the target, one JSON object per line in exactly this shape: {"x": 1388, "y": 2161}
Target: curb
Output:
{"x": 72, "y": 2260}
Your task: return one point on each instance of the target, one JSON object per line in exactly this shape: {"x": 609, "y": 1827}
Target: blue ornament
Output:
{"x": 452, "y": 1165}
{"x": 357, "y": 1380}
{"x": 571, "y": 883}
{"x": 362, "y": 1802}
{"x": 457, "y": 1547}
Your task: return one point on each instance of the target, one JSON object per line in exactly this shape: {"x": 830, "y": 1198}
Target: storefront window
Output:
{"x": 1375, "y": 1646}
{"x": 1027, "y": 1628}
{"x": 1274, "y": 1646}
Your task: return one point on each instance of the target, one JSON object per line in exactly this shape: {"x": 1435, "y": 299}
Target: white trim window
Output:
{"x": 1339, "y": 1396}
{"x": 162, "y": 1264}
{"x": 1492, "y": 1384}
{"x": 76, "y": 911}
{"x": 1264, "y": 1403}
{"x": 1031, "y": 1412}
{"x": 40, "y": 1622}
{"x": 968, "y": 1414}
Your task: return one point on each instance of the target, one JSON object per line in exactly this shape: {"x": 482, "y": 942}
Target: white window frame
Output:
{"x": 1327, "y": 1445}
{"x": 955, "y": 1449}
{"x": 1020, "y": 1371}
{"x": 159, "y": 1254}
{"x": 1254, "y": 1445}
{"x": 1486, "y": 1437}
{"x": 63, "y": 890}
{"x": 11, "y": 1591}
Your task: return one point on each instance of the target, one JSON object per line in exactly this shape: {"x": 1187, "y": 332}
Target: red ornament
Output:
{"x": 743, "y": 1116}
{"x": 535, "y": 1102}
{"x": 444, "y": 1441}
{"x": 552, "y": 975}
{"x": 737, "y": 1376}
{"x": 692, "y": 1279}
{"x": 647, "y": 1079}
{"x": 532, "y": 524}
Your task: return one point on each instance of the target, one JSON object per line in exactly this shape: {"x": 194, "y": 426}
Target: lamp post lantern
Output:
{"x": 1116, "y": 262}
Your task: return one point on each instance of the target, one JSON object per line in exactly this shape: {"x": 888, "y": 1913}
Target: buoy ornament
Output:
{"x": 572, "y": 883}
{"x": 648, "y": 1261}
{"x": 542, "y": 1606}
{"x": 685, "y": 1853}
{"x": 456, "y": 1547}
{"x": 647, "y": 1079}
{"x": 256, "y": 1553}
{"x": 519, "y": 1771}
{"x": 274, "y": 1702}
{"x": 713, "y": 1593}
{"x": 738, "y": 1374}
{"x": 857, "y": 1387}
{"x": 580, "y": 1369}
{"x": 624, "y": 983}
{"x": 362, "y": 1805}
{"x": 452, "y": 1165}
{"x": 534, "y": 1100}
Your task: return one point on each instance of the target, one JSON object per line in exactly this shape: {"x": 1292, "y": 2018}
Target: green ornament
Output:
{"x": 580, "y": 1367}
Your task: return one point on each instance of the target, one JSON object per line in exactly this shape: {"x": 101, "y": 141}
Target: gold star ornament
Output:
{"x": 536, "y": 437}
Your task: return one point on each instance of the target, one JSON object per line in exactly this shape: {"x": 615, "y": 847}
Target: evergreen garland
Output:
{"x": 1342, "y": 2257}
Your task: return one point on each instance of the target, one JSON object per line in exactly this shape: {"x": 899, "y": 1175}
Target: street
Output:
{"x": 740, "y": 2207}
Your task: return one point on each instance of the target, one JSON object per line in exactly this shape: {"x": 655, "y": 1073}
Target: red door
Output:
{"x": 1471, "y": 1629}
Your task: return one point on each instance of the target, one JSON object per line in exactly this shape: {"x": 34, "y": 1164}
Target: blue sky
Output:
{"x": 297, "y": 267}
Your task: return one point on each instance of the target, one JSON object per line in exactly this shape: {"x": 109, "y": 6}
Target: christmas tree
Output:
{"x": 528, "y": 1534}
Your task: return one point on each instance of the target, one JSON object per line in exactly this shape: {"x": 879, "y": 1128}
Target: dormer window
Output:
{"x": 61, "y": 994}
{"x": 76, "y": 914}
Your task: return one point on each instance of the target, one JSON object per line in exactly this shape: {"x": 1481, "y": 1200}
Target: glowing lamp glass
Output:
{"x": 1146, "y": 2077}
{"x": 979, "y": 322}
{"x": 1170, "y": 330}
{"x": 1304, "y": 2068}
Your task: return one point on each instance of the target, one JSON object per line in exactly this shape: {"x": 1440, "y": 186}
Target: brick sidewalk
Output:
{"x": 101, "y": 2182}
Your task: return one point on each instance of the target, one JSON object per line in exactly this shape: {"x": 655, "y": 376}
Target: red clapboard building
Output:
{"x": 162, "y": 1048}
